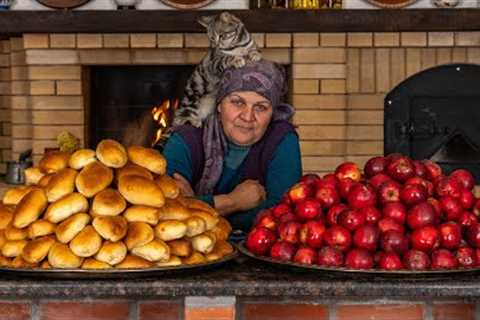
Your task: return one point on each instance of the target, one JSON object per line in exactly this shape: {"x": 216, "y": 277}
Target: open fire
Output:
{"x": 162, "y": 115}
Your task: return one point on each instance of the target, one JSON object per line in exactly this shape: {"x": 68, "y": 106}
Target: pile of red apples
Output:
{"x": 399, "y": 214}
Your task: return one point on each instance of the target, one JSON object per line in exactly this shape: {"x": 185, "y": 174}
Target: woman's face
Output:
{"x": 245, "y": 116}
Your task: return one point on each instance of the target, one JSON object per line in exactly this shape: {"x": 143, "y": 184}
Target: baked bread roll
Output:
{"x": 66, "y": 207}
{"x": 11, "y": 233}
{"x": 172, "y": 262}
{"x": 43, "y": 182}
{"x": 93, "y": 178}
{"x": 3, "y": 240}
{"x": 148, "y": 158}
{"x": 14, "y": 195}
{"x": 36, "y": 250}
{"x": 155, "y": 250}
{"x": 108, "y": 202}
{"x": 221, "y": 249}
{"x": 111, "y": 228}
{"x": 81, "y": 158}
{"x": 91, "y": 263}
{"x": 181, "y": 247}
{"x": 19, "y": 262}
{"x": 173, "y": 210}
{"x": 13, "y": 248}
{"x": 139, "y": 234}
{"x": 54, "y": 161}
{"x": 112, "y": 252}
{"x": 33, "y": 175}
{"x": 195, "y": 204}
{"x": 69, "y": 228}
{"x": 61, "y": 184}
{"x": 195, "y": 226}
{"x": 134, "y": 262}
{"x": 86, "y": 243}
{"x": 194, "y": 258}
{"x": 60, "y": 256}
{"x": 141, "y": 191}
{"x": 204, "y": 243}
{"x": 142, "y": 214}
{"x": 131, "y": 169}
{"x": 210, "y": 220}
{"x": 6, "y": 215}
{"x": 40, "y": 228}
{"x": 168, "y": 186}
{"x": 223, "y": 229}
{"x": 5, "y": 262}
{"x": 111, "y": 153}
{"x": 30, "y": 208}
{"x": 170, "y": 230}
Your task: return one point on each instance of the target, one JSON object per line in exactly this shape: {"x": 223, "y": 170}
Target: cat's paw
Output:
{"x": 195, "y": 122}
{"x": 238, "y": 62}
{"x": 254, "y": 56}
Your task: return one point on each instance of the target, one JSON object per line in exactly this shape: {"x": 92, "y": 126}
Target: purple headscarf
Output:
{"x": 265, "y": 78}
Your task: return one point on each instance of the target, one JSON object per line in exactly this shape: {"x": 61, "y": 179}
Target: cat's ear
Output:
{"x": 206, "y": 20}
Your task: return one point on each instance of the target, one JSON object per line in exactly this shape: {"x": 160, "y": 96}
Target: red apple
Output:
{"x": 361, "y": 196}
{"x": 420, "y": 169}
{"x": 311, "y": 233}
{"x": 348, "y": 170}
{"x": 371, "y": 213}
{"x": 465, "y": 177}
{"x": 425, "y": 239}
{"x": 260, "y": 240}
{"x": 359, "y": 259}
{"x": 389, "y": 192}
{"x": 423, "y": 182}
{"x": 333, "y": 212}
{"x": 375, "y": 166}
{"x": 328, "y": 180}
{"x": 338, "y": 237}
{"x": 386, "y": 224}
{"x": 390, "y": 261}
{"x": 433, "y": 170}
{"x": 327, "y": 196}
{"x": 351, "y": 219}
{"x": 344, "y": 186}
{"x": 443, "y": 259}
{"x": 448, "y": 186}
{"x": 366, "y": 237}
{"x": 438, "y": 208}
{"x": 310, "y": 179}
{"x": 282, "y": 251}
{"x": 330, "y": 257}
{"x": 450, "y": 235}
{"x": 412, "y": 194}
{"x": 401, "y": 168}
{"x": 299, "y": 192}
{"x": 287, "y": 217}
{"x": 308, "y": 209}
{"x": 476, "y": 208}
{"x": 466, "y": 257}
{"x": 377, "y": 180}
{"x": 305, "y": 255}
{"x": 395, "y": 210}
{"x": 451, "y": 208}
{"x": 266, "y": 219}
{"x": 281, "y": 209}
{"x": 467, "y": 219}
{"x": 421, "y": 215}
{"x": 416, "y": 260}
{"x": 473, "y": 235}
{"x": 394, "y": 241}
{"x": 466, "y": 199}
{"x": 289, "y": 231}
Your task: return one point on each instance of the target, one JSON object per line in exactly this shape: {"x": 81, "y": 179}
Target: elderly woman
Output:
{"x": 246, "y": 155}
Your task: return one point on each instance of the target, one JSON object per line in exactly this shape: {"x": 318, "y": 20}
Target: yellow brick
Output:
{"x": 319, "y": 55}
{"x": 382, "y": 70}
{"x": 429, "y": 58}
{"x": 333, "y": 86}
{"x": 167, "y": 56}
{"x": 69, "y": 88}
{"x": 35, "y": 40}
{"x": 19, "y": 73}
{"x": 170, "y": 40}
{"x": 116, "y": 40}
{"x": 459, "y": 55}
{"x": 321, "y": 163}
{"x": 365, "y": 117}
{"x": 63, "y": 40}
{"x": 413, "y": 39}
{"x": 196, "y": 40}
{"x": 467, "y": 39}
{"x": 278, "y": 40}
{"x": 57, "y": 117}
{"x": 259, "y": 39}
{"x": 42, "y": 87}
{"x": 397, "y": 66}
{"x": 57, "y": 103}
{"x": 444, "y": 55}
{"x": 473, "y": 55}
{"x": 366, "y": 132}
{"x": 360, "y": 39}
{"x": 305, "y": 40}
{"x": 367, "y": 70}
{"x": 364, "y": 147}
{"x": 305, "y": 86}
{"x": 56, "y": 56}
{"x": 386, "y": 39}
{"x": 315, "y": 132}
{"x": 365, "y": 101}
{"x": 333, "y": 39}
{"x": 322, "y": 102}
{"x": 440, "y": 39}
{"x": 353, "y": 77}
{"x": 5, "y": 46}
{"x": 21, "y": 117}
{"x": 20, "y": 102}
{"x": 16, "y": 44}
{"x": 105, "y": 56}
{"x": 322, "y": 148}
{"x": 319, "y": 71}
{"x": 414, "y": 61}
{"x": 20, "y": 87}
{"x": 303, "y": 117}
{"x": 51, "y": 132}
{"x": 281, "y": 56}
{"x": 54, "y": 72}
{"x": 143, "y": 40}
{"x": 22, "y": 131}
{"x": 89, "y": 40}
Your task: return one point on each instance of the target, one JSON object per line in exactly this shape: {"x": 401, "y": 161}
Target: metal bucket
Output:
{"x": 15, "y": 170}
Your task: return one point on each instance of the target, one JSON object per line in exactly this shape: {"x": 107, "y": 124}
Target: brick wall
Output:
{"x": 5, "y": 116}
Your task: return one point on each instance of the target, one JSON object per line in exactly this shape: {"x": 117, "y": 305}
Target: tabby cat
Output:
{"x": 230, "y": 46}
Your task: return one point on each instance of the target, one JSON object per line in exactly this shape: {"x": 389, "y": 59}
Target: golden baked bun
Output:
{"x": 13, "y": 248}
{"x": 173, "y": 210}
{"x": 111, "y": 228}
{"x": 14, "y": 195}
{"x": 30, "y": 208}
{"x": 91, "y": 264}
{"x": 5, "y": 262}
{"x": 111, "y": 153}
{"x": 221, "y": 249}
{"x": 210, "y": 220}
{"x": 203, "y": 243}
{"x": 141, "y": 191}
{"x": 3, "y": 240}
{"x": 36, "y": 250}
{"x": 33, "y": 175}
{"x": 19, "y": 262}
{"x": 108, "y": 202}
{"x": 6, "y": 215}
{"x": 131, "y": 169}
{"x": 81, "y": 158}
{"x": 195, "y": 204}
{"x": 194, "y": 258}
{"x": 93, "y": 178}
{"x": 195, "y": 226}
{"x": 86, "y": 243}
{"x": 148, "y": 158}
{"x": 139, "y": 234}
{"x": 40, "y": 228}
{"x": 142, "y": 214}
{"x": 168, "y": 186}
{"x": 60, "y": 256}
{"x": 61, "y": 184}
{"x": 223, "y": 229}
{"x": 66, "y": 207}
{"x": 155, "y": 250}
{"x": 172, "y": 262}
{"x": 11, "y": 233}
{"x": 112, "y": 252}
{"x": 134, "y": 262}
{"x": 45, "y": 265}
{"x": 43, "y": 182}
{"x": 170, "y": 230}
{"x": 54, "y": 161}
{"x": 181, "y": 247}
{"x": 69, "y": 228}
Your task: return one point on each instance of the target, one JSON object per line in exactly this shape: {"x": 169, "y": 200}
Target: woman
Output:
{"x": 246, "y": 155}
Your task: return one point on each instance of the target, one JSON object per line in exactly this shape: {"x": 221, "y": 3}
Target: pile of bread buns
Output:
{"x": 110, "y": 208}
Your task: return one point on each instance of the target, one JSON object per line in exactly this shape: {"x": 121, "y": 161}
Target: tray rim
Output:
{"x": 198, "y": 4}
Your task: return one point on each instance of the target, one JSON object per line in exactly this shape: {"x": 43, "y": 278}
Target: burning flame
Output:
{"x": 162, "y": 114}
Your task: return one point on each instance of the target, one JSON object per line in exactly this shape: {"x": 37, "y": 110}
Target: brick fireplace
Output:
{"x": 338, "y": 82}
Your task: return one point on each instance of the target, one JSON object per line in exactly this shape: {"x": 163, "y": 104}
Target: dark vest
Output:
{"x": 255, "y": 165}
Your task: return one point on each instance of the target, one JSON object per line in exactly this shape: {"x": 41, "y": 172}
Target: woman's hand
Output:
{"x": 245, "y": 196}
{"x": 184, "y": 186}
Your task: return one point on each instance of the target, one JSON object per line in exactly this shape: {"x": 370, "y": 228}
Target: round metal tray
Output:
{"x": 304, "y": 267}
{"x": 114, "y": 273}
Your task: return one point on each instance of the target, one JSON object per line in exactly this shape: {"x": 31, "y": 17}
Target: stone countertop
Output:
{"x": 246, "y": 277}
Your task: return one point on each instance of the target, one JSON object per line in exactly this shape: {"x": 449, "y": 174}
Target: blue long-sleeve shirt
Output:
{"x": 284, "y": 170}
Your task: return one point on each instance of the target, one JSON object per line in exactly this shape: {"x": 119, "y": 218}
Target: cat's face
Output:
{"x": 224, "y": 31}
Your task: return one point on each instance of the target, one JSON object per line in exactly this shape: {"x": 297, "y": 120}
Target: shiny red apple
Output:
{"x": 308, "y": 209}
{"x": 299, "y": 192}
{"x": 433, "y": 170}
{"x": 330, "y": 257}
{"x": 394, "y": 241}
{"x": 260, "y": 240}
{"x": 448, "y": 186}
{"x": 305, "y": 255}
{"x": 311, "y": 233}
{"x": 375, "y": 166}
{"x": 289, "y": 231}
{"x": 443, "y": 259}
{"x": 465, "y": 177}
{"x": 390, "y": 261}
{"x": 412, "y": 194}
{"x": 395, "y": 210}
{"x": 421, "y": 215}
{"x": 359, "y": 259}
{"x": 361, "y": 195}
{"x": 366, "y": 237}
{"x": 348, "y": 170}
{"x": 450, "y": 235}
{"x": 416, "y": 260}
{"x": 338, "y": 237}
{"x": 371, "y": 213}
{"x": 466, "y": 257}
{"x": 401, "y": 168}
{"x": 425, "y": 239}
{"x": 282, "y": 251}
{"x": 389, "y": 192}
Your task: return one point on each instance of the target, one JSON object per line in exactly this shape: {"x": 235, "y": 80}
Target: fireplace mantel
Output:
{"x": 18, "y": 22}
